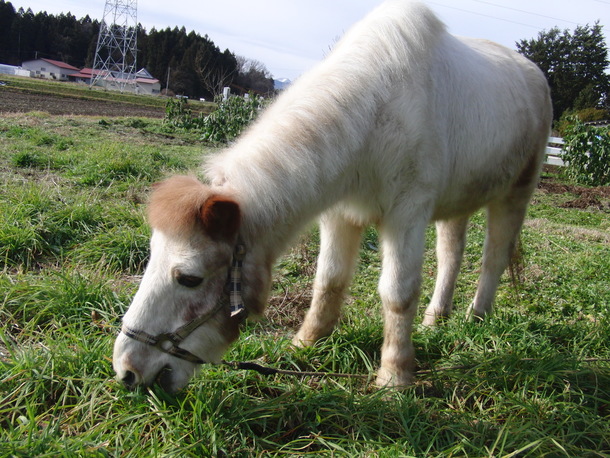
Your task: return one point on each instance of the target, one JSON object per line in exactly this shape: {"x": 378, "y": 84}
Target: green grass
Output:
{"x": 533, "y": 380}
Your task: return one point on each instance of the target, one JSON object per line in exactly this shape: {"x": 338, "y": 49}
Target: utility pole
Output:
{"x": 167, "y": 84}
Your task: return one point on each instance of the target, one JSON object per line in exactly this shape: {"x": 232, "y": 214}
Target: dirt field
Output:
{"x": 592, "y": 198}
{"x": 21, "y": 102}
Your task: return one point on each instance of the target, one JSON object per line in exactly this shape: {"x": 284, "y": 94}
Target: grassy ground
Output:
{"x": 534, "y": 380}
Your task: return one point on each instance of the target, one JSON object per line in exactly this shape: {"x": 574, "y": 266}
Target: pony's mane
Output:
{"x": 307, "y": 136}
{"x": 175, "y": 205}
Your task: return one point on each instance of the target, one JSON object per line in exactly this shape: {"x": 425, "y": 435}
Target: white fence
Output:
{"x": 554, "y": 151}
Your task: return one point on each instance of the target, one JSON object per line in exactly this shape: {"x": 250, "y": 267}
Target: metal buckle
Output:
{"x": 166, "y": 342}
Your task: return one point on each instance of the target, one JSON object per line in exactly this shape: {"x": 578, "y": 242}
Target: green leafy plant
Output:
{"x": 587, "y": 153}
{"x": 229, "y": 119}
{"x": 177, "y": 114}
{"x": 585, "y": 115}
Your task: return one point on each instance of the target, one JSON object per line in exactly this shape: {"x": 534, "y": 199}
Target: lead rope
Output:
{"x": 266, "y": 370}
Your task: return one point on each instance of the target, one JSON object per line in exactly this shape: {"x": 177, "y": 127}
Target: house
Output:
{"x": 51, "y": 69}
{"x": 145, "y": 82}
{"x": 82, "y": 76}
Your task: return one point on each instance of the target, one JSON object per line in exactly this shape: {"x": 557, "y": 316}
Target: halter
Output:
{"x": 168, "y": 342}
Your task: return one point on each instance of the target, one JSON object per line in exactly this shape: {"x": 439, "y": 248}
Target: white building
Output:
{"x": 146, "y": 83}
{"x": 12, "y": 70}
{"x": 50, "y": 69}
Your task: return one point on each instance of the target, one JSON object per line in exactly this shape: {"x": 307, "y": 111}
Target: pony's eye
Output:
{"x": 190, "y": 281}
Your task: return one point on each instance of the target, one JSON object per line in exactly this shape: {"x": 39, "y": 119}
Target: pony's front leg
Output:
{"x": 339, "y": 245}
{"x": 399, "y": 288}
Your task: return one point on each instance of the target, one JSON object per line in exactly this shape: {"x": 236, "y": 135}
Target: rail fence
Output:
{"x": 554, "y": 151}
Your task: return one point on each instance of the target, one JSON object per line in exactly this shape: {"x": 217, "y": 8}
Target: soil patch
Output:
{"x": 585, "y": 197}
{"x": 12, "y": 101}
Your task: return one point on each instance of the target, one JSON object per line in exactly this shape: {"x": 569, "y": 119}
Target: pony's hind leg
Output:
{"x": 450, "y": 242}
{"x": 504, "y": 220}
{"x": 339, "y": 244}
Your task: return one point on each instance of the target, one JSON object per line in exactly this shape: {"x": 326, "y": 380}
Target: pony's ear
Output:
{"x": 221, "y": 217}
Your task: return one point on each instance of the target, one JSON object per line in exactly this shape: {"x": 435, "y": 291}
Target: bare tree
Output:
{"x": 253, "y": 75}
{"x": 213, "y": 76}
{"x": 248, "y": 66}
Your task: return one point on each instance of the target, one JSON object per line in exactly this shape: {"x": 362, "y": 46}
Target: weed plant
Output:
{"x": 587, "y": 153}
{"x": 532, "y": 380}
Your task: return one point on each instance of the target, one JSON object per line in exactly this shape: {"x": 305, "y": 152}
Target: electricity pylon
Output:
{"x": 114, "y": 65}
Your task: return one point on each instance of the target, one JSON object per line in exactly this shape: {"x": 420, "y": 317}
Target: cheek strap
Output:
{"x": 168, "y": 342}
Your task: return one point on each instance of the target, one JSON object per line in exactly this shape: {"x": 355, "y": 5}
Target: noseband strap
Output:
{"x": 168, "y": 342}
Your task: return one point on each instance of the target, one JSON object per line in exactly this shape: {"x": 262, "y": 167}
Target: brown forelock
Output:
{"x": 175, "y": 205}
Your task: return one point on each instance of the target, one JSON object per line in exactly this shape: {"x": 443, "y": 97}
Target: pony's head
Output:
{"x": 181, "y": 315}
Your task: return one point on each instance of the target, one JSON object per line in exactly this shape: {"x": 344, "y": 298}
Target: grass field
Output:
{"x": 533, "y": 380}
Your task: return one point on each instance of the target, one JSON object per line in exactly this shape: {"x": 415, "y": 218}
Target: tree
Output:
{"x": 197, "y": 67}
{"x": 215, "y": 70}
{"x": 253, "y": 75}
{"x": 7, "y": 16}
{"x": 575, "y": 65}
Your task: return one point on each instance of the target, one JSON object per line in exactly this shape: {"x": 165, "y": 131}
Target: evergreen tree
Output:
{"x": 575, "y": 65}
{"x": 25, "y": 36}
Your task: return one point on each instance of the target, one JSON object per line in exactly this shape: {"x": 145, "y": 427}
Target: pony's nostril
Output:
{"x": 129, "y": 379}
{"x": 164, "y": 378}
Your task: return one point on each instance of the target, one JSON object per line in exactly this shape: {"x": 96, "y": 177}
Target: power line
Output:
{"x": 487, "y": 15}
{"x": 527, "y": 12}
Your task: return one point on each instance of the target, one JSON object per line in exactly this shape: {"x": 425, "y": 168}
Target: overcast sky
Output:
{"x": 290, "y": 36}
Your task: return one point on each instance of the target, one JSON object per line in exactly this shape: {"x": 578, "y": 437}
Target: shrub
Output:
{"x": 585, "y": 115}
{"x": 178, "y": 115}
{"x": 229, "y": 119}
{"x": 587, "y": 153}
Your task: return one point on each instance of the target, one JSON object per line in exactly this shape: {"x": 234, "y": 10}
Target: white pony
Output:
{"x": 401, "y": 125}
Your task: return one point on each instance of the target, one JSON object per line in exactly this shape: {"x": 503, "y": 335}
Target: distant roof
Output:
{"x": 147, "y": 80}
{"x": 87, "y": 72}
{"x": 57, "y": 63}
{"x": 143, "y": 73}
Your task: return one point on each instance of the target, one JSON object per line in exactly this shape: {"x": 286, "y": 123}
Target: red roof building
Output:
{"x": 50, "y": 69}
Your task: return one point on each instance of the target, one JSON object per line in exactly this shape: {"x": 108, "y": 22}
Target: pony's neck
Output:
{"x": 294, "y": 163}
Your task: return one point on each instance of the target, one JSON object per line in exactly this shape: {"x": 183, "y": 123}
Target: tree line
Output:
{"x": 192, "y": 63}
{"x": 576, "y": 66}
{"x": 575, "y": 63}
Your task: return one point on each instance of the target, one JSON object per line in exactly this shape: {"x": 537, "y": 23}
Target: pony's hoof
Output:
{"x": 388, "y": 379}
{"x": 302, "y": 342}
{"x": 430, "y": 321}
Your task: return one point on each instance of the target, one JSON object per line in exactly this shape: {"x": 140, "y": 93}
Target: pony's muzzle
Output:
{"x": 129, "y": 376}
{"x": 129, "y": 379}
